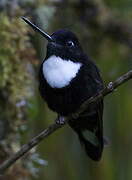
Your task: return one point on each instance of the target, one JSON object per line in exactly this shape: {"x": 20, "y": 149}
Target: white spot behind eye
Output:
{"x": 70, "y": 43}
{"x": 58, "y": 72}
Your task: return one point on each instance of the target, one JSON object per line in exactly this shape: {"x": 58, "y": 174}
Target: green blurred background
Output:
{"x": 104, "y": 28}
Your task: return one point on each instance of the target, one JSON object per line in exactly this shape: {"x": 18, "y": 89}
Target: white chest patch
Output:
{"x": 58, "y": 72}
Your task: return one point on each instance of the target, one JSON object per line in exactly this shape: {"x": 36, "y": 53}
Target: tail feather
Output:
{"x": 89, "y": 127}
{"x": 93, "y": 146}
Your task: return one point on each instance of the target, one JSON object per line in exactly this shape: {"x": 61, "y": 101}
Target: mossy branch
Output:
{"x": 52, "y": 128}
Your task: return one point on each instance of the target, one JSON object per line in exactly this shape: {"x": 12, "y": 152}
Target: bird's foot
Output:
{"x": 110, "y": 86}
{"x": 60, "y": 120}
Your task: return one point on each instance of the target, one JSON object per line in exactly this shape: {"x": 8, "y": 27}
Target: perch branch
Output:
{"x": 52, "y": 128}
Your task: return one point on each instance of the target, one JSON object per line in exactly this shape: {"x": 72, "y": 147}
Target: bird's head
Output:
{"x": 62, "y": 43}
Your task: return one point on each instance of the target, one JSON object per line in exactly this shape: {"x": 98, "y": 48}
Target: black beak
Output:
{"x": 35, "y": 28}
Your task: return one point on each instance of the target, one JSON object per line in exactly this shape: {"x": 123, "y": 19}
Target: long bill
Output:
{"x": 35, "y": 28}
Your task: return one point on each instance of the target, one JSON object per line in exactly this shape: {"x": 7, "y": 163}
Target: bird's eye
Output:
{"x": 70, "y": 44}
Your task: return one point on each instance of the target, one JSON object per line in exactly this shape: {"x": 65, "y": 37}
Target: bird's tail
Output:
{"x": 93, "y": 144}
{"x": 89, "y": 127}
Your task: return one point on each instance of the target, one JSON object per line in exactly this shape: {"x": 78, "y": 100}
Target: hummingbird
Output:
{"x": 67, "y": 78}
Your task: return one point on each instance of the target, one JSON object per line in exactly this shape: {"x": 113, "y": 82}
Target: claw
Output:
{"x": 110, "y": 86}
{"x": 60, "y": 120}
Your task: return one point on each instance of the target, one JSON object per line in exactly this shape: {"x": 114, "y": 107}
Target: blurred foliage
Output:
{"x": 13, "y": 56}
{"x": 105, "y": 30}
{"x": 16, "y": 81}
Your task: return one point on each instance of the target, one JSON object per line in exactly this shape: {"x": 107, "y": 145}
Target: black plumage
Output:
{"x": 67, "y": 99}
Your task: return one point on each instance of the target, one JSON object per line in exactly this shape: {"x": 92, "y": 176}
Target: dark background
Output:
{"x": 104, "y": 28}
